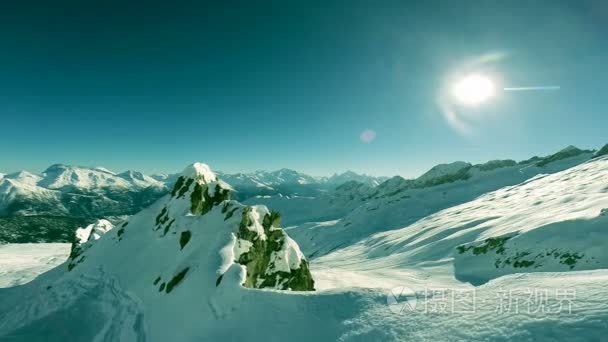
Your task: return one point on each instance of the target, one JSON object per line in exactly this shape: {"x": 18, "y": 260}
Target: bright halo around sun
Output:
{"x": 473, "y": 89}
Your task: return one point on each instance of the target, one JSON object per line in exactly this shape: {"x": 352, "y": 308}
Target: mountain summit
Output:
{"x": 197, "y": 217}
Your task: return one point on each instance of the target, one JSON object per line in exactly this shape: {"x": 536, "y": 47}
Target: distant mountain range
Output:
{"x": 65, "y": 190}
{"x": 399, "y": 202}
{"x": 63, "y": 193}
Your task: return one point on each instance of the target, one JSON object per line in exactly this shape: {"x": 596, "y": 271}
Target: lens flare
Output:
{"x": 367, "y": 136}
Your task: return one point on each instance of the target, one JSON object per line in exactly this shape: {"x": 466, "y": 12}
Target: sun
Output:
{"x": 473, "y": 89}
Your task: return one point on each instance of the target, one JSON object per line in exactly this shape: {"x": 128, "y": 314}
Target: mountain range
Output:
{"x": 97, "y": 192}
{"x": 52, "y": 201}
{"x": 46, "y": 207}
{"x": 63, "y": 190}
{"x": 398, "y": 201}
{"x": 431, "y": 258}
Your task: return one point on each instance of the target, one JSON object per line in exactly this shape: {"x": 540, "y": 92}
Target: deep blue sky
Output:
{"x": 246, "y": 85}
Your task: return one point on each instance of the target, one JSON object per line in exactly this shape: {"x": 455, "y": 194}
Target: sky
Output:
{"x": 317, "y": 86}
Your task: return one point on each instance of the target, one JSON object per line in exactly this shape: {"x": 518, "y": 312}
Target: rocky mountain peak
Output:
{"x": 199, "y": 234}
{"x": 199, "y": 171}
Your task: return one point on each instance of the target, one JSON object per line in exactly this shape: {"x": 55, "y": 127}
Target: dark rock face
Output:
{"x": 261, "y": 271}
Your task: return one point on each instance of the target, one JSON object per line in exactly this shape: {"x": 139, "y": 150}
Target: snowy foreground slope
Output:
{"x": 536, "y": 253}
{"x": 523, "y": 263}
{"x": 553, "y": 223}
{"x": 20, "y": 263}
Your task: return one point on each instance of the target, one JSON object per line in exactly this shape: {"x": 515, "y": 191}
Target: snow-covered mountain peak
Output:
{"x": 67, "y": 178}
{"x": 8, "y": 185}
{"x": 13, "y": 191}
{"x": 15, "y": 187}
{"x": 196, "y": 192}
{"x": 24, "y": 177}
{"x": 199, "y": 171}
{"x": 55, "y": 168}
{"x": 198, "y": 234}
{"x": 61, "y": 176}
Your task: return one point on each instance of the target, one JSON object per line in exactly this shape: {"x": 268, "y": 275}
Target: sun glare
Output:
{"x": 473, "y": 89}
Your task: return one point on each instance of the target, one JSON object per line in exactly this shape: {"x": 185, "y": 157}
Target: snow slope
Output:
{"x": 517, "y": 252}
{"x": 24, "y": 177}
{"x": 97, "y": 308}
{"x": 324, "y": 206}
{"x": 139, "y": 180}
{"x": 21, "y": 263}
{"x": 551, "y": 223}
{"x": 397, "y": 202}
